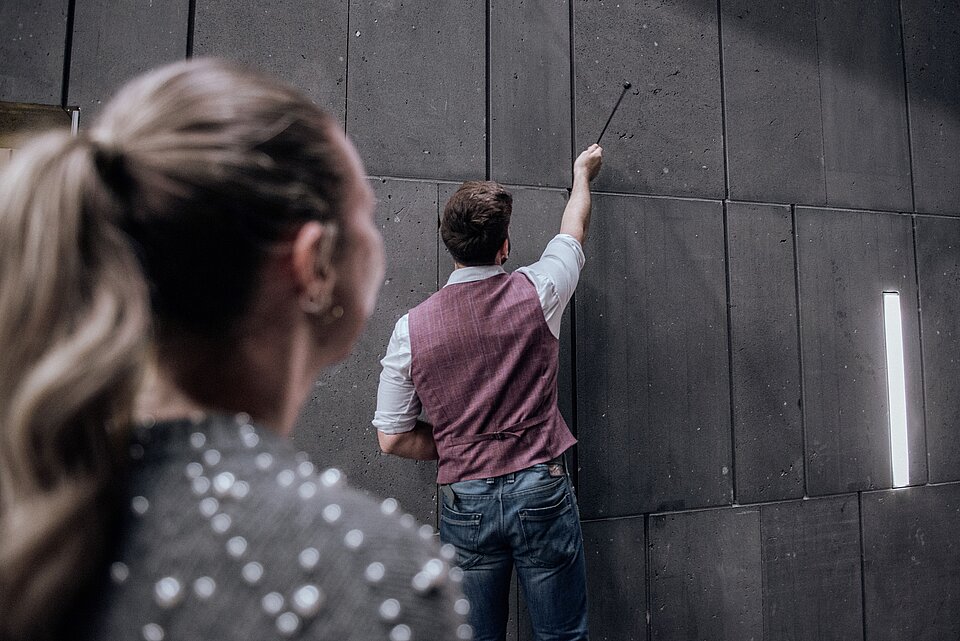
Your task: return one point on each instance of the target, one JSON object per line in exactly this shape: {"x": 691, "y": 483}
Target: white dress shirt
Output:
{"x": 555, "y": 277}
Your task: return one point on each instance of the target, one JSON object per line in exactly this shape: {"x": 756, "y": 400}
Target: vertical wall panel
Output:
{"x": 416, "y": 103}
{"x": 865, "y": 147}
{"x": 911, "y": 563}
{"x": 18, "y": 121}
{"x": 771, "y": 94}
{"x": 530, "y": 92}
{"x": 767, "y": 420}
{"x": 335, "y": 427}
{"x": 616, "y": 579}
{"x": 32, "y": 49}
{"x": 115, "y": 40}
{"x": 667, "y": 136}
{"x": 938, "y": 264}
{"x": 933, "y": 84}
{"x": 304, "y": 43}
{"x": 705, "y": 576}
{"x": 653, "y": 397}
{"x": 811, "y": 570}
{"x": 847, "y": 260}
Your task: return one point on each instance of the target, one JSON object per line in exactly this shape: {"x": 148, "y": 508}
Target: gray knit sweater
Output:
{"x": 233, "y": 535}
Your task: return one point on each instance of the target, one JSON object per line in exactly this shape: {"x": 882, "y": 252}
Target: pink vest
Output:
{"x": 485, "y": 368}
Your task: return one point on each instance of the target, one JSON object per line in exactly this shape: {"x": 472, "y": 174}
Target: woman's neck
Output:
{"x": 188, "y": 380}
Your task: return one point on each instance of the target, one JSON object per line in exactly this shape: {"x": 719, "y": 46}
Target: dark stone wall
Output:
{"x": 775, "y": 168}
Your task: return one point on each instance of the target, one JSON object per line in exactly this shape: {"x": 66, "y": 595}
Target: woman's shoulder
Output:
{"x": 233, "y": 532}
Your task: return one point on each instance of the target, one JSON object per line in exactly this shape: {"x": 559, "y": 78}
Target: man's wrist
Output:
{"x": 581, "y": 178}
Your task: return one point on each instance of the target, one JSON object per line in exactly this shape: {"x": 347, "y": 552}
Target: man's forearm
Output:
{"x": 576, "y": 215}
{"x": 417, "y": 444}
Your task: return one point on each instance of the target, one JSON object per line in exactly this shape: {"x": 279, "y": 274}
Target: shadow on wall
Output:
{"x": 814, "y": 104}
{"x": 863, "y": 41}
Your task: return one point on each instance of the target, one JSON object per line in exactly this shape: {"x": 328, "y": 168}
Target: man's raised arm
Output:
{"x": 576, "y": 215}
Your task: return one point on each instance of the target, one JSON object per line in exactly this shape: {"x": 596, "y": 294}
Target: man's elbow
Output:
{"x": 388, "y": 443}
{"x": 577, "y": 232}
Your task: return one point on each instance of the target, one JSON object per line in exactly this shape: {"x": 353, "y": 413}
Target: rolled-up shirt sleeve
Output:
{"x": 398, "y": 405}
{"x": 555, "y": 276}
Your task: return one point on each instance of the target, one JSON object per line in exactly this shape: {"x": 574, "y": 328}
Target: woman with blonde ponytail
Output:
{"x": 171, "y": 283}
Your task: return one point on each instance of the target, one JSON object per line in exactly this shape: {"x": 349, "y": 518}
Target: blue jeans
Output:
{"x": 527, "y": 520}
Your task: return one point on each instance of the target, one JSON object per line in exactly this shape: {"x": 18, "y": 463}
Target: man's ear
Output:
{"x": 505, "y": 250}
{"x": 313, "y": 249}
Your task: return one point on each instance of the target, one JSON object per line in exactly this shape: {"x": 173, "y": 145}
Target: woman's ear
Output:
{"x": 313, "y": 249}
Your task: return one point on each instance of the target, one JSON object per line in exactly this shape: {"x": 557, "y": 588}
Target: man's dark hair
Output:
{"x": 476, "y": 221}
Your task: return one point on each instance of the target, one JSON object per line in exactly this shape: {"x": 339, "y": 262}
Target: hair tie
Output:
{"x": 111, "y": 164}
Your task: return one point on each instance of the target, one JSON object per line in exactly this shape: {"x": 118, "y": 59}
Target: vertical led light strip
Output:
{"x": 896, "y": 389}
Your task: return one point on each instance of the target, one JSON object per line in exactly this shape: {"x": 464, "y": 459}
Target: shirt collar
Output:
{"x": 470, "y": 274}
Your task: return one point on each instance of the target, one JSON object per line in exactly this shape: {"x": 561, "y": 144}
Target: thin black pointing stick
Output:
{"x": 626, "y": 86}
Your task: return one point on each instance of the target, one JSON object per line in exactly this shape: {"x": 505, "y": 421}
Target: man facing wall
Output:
{"x": 480, "y": 357}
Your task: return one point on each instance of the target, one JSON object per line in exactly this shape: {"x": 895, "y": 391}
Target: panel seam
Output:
{"x": 823, "y": 135}
{"x": 923, "y": 385}
{"x": 763, "y": 574}
{"x": 803, "y": 392}
{"x": 191, "y": 26}
{"x": 729, "y": 297}
{"x": 346, "y": 72}
{"x": 573, "y": 83}
{"x": 574, "y": 407}
{"x": 67, "y": 54}
{"x": 723, "y": 106}
{"x": 906, "y": 102}
{"x": 648, "y": 614}
{"x": 488, "y": 146}
{"x": 863, "y": 567}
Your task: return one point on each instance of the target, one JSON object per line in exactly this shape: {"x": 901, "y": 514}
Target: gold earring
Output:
{"x": 335, "y": 314}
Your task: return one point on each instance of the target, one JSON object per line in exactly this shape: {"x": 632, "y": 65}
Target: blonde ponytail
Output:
{"x": 199, "y": 160}
{"x": 74, "y": 315}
